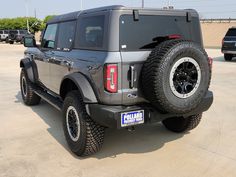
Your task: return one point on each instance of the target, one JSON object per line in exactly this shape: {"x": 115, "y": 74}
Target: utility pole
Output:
{"x": 142, "y": 3}
{"x": 27, "y": 14}
{"x": 35, "y": 13}
{"x": 168, "y": 4}
{"x": 81, "y": 4}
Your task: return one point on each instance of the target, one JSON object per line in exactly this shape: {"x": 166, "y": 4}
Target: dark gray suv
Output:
{"x": 119, "y": 67}
{"x": 229, "y": 44}
{"x": 17, "y": 36}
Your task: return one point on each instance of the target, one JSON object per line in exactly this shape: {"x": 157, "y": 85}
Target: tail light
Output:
{"x": 174, "y": 36}
{"x": 210, "y": 60}
{"x": 111, "y": 78}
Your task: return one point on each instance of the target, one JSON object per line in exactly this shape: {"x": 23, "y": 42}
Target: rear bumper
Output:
{"x": 229, "y": 52}
{"x": 110, "y": 116}
{"x": 10, "y": 39}
{"x": 16, "y": 39}
{"x": 3, "y": 38}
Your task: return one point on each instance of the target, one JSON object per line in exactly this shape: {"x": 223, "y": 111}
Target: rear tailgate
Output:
{"x": 132, "y": 63}
{"x": 136, "y": 43}
{"x": 229, "y": 43}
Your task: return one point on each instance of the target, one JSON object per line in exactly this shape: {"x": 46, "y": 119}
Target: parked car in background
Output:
{"x": 17, "y": 36}
{"x": 229, "y": 44}
{"x": 4, "y": 35}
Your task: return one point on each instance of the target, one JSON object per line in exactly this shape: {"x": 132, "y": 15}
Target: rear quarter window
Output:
{"x": 91, "y": 33}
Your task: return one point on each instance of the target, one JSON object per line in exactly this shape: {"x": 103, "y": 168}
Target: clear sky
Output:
{"x": 206, "y": 8}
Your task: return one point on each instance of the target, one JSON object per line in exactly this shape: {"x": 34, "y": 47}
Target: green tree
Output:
{"x": 47, "y": 18}
{"x": 21, "y": 23}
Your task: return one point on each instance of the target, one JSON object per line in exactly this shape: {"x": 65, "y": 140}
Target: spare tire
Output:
{"x": 12, "y": 36}
{"x": 176, "y": 76}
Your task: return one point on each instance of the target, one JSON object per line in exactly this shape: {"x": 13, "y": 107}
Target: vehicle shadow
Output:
{"x": 144, "y": 139}
{"x": 16, "y": 43}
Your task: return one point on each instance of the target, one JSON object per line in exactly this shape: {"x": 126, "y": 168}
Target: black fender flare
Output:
{"x": 30, "y": 69}
{"x": 82, "y": 83}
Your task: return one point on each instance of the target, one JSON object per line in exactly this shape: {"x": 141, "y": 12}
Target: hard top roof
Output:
{"x": 75, "y": 15}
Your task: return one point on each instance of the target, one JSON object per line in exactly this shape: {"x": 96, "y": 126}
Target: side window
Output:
{"x": 91, "y": 32}
{"x": 1, "y": 32}
{"x": 66, "y": 35}
{"x": 50, "y": 36}
{"x": 23, "y": 32}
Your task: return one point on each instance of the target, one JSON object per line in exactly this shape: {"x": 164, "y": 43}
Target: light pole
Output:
{"x": 142, "y": 3}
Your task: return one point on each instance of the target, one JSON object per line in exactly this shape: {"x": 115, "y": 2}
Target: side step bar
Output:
{"x": 55, "y": 102}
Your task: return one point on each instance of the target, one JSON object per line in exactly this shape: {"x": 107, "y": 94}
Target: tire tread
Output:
{"x": 92, "y": 134}
{"x": 31, "y": 98}
{"x": 153, "y": 67}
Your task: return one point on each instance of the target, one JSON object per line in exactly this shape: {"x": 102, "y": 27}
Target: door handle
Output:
{"x": 132, "y": 77}
{"x": 46, "y": 59}
{"x": 54, "y": 59}
{"x": 67, "y": 63}
{"x": 31, "y": 57}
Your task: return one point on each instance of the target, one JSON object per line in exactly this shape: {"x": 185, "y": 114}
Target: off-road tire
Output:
{"x": 22, "y": 41}
{"x": 7, "y": 40}
{"x": 27, "y": 93}
{"x": 228, "y": 57}
{"x": 156, "y": 72}
{"x": 91, "y": 134}
{"x": 182, "y": 125}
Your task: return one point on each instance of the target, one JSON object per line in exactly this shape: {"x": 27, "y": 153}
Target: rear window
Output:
{"x": 144, "y": 33}
{"x": 13, "y": 32}
{"x": 23, "y": 32}
{"x": 231, "y": 32}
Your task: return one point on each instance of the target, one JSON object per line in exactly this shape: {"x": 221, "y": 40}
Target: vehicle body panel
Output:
{"x": 53, "y": 65}
{"x": 3, "y": 35}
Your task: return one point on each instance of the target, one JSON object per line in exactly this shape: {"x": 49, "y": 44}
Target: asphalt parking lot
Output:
{"x": 32, "y": 143}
